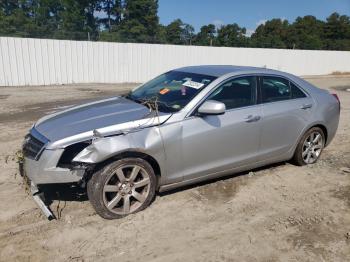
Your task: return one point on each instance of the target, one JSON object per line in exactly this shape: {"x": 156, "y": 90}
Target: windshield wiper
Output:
{"x": 129, "y": 96}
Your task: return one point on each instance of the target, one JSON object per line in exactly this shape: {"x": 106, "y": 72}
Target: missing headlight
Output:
{"x": 70, "y": 152}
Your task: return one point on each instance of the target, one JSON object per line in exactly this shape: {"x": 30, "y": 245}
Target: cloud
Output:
{"x": 100, "y": 14}
{"x": 249, "y": 32}
{"x": 261, "y": 22}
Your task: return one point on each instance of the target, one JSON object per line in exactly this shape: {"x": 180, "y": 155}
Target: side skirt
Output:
{"x": 232, "y": 171}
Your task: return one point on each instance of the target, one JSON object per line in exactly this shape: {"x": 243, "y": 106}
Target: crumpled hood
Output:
{"x": 101, "y": 114}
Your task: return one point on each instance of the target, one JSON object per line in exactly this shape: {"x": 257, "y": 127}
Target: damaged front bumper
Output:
{"x": 45, "y": 169}
{"x": 37, "y": 196}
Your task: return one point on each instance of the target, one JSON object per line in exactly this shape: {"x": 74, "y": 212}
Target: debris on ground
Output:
{"x": 345, "y": 169}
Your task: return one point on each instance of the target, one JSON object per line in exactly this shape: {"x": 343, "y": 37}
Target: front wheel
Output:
{"x": 310, "y": 147}
{"x": 122, "y": 187}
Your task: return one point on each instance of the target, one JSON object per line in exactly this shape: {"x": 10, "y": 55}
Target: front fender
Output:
{"x": 102, "y": 148}
{"x": 147, "y": 141}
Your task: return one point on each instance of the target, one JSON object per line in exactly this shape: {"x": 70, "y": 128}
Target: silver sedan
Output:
{"x": 185, "y": 126}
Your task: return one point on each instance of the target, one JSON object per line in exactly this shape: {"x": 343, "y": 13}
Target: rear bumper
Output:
{"x": 45, "y": 170}
{"x": 332, "y": 127}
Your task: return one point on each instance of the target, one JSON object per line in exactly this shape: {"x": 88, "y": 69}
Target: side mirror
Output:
{"x": 212, "y": 107}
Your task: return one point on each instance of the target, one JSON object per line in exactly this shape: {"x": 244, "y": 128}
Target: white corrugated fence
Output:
{"x": 25, "y": 61}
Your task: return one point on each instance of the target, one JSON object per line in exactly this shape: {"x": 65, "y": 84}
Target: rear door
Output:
{"x": 286, "y": 110}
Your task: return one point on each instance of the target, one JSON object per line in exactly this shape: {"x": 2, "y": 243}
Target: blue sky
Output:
{"x": 246, "y": 13}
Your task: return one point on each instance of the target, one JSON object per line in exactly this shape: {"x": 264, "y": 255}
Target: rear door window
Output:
{"x": 274, "y": 89}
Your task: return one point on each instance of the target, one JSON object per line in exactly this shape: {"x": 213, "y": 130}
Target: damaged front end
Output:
{"x": 37, "y": 196}
{"x": 72, "y": 159}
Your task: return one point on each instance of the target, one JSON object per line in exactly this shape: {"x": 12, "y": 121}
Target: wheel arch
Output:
{"x": 133, "y": 154}
{"x": 319, "y": 125}
{"x": 323, "y": 128}
{"x": 297, "y": 150}
{"x": 307, "y": 128}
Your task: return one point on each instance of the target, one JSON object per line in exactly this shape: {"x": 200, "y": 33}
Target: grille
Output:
{"x": 32, "y": 147}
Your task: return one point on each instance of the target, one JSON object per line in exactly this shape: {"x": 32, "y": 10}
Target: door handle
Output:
{"x": 306, "y": 106}
{"x": 252, "y": 118}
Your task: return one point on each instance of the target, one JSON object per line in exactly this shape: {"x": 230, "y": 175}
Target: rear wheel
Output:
{"x": 122, "y": 187}
{"x": 310, "y": 147}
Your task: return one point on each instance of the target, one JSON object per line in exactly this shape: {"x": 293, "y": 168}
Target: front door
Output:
{"x": 215, "y": 143}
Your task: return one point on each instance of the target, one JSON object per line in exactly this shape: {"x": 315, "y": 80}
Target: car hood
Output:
{"x": 108, "y": 115}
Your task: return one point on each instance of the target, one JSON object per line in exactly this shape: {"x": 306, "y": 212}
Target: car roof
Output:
{"x": 220, "y": 70}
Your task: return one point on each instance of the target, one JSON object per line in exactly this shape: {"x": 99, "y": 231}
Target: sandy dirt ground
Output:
{"x": 277, "y": 213}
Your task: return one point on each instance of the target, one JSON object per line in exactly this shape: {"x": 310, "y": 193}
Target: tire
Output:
{"x": 122, "y": 187}
{"x": 310, "y": 147}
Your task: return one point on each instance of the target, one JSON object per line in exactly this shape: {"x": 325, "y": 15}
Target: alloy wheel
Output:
{"x": 126, "y": 189}
{"x": 312, "y": 147}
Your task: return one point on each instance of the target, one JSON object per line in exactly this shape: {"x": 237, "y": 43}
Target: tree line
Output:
{"x": 137, "y": 21}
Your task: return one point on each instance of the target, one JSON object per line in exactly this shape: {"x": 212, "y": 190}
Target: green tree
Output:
{"x": 44, "y": 16}
{"x": 272, "y": 34}
{"x": 178, "y": 33}
{"x": 113, "y": 13}
{"x": 161, "y": 35}
{"x": 16, "y": 19}
{"x": 140, "y": 21}
{"x": 187, "y": 34}
{"x": 137, "y": 21}
{"x": 7, "y": 7}
{"x": 206, "y": 35}
{"x": 64, "y": 19}
{"x": 337, "y": 32}
{"x": 77, "y": 20}
{"x": 305, "y": 33}
{"x": 231, "y": 35}
{"x": 174, "y": 32}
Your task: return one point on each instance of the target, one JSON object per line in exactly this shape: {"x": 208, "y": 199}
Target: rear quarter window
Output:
{"x": 296, "y": 92}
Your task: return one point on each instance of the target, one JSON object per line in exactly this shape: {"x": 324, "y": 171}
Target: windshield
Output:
{"x": 172, "y": 90}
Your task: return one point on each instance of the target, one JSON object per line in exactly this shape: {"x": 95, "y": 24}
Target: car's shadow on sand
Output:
{"x": 74, "y": 192}
{"x": 63, "y": 192}
{"x": 223, "y": 178}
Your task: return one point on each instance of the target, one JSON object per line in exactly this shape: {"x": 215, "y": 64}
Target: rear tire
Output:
{"x": 310, "y": 147}
{"x": 122, "y": 187}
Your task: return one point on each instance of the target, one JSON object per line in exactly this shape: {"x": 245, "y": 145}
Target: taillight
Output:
{"x": 336, "y": 97}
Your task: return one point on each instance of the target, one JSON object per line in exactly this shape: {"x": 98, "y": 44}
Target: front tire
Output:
{"x": 122, "y": 187}
{"x": 310, "y": 147}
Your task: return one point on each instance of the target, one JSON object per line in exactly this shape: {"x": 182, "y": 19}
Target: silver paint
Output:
{"x": 188, "y": 148}
{"x": 212, "y": 107}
